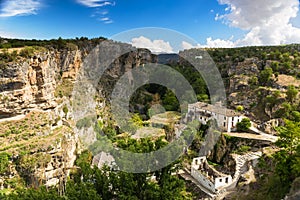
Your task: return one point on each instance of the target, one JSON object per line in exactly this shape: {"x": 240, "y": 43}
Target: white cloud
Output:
{"x": 106, "y": 20}
{"x": 4, "y": 34}
{"x": 156, "y": 46}
{"x": 96, "y": 3}
{"x": 186, "y": 45}
{"x": 218, "y": 43}
{"x": 266, "y": 22}
{"x": 104, "y": 13}
{"x": 10, "y": 8}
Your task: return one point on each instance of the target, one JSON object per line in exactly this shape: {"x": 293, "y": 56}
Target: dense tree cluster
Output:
{"x": 59, "y": 43}
{"x": 91, "y": 183}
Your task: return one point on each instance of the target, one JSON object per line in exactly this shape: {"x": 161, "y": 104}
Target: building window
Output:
{"x": 220, "y": 180}
{"x": 226, "y": 180}
{"x": 224, "y": 124}
{"x": 225, "y": 118}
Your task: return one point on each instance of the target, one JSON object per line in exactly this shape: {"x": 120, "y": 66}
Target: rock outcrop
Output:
{"x": 31, "y": 83}
{"x": 44, "y": 84}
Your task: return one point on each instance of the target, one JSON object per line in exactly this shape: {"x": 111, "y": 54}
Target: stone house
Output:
{"x": 227, "y": 119}
{"x": 208, "y": 176}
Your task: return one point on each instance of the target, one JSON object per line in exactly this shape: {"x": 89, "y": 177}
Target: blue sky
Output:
{"x": 209, "y": 22}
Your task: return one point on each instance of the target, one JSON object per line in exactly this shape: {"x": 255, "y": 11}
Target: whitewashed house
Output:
{"x": 227, "y": 119}
{"x": 208, "y": 176}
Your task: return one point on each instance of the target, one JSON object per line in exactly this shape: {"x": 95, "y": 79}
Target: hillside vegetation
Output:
{"x": 37, "y": 79}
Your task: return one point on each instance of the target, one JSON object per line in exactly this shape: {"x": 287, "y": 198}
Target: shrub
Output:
{"x": 239, "y": 108}
{"x": 65, "y": 109}
{"x": 27, "y": 52}
{"x": 64, "y": 89}
{"x": 71, "y": 47}
{"x": 4, "y": 162}
{"x": 244, "y": 125}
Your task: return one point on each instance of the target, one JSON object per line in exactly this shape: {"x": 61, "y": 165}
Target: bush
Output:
{"x": 27, "y": 52}
{"x": 240, "y": 108}
{"x": 65, "y": 109}
{"x": 64, "y": 89}
{"x": 4, "y": 162}
{"x": 244, "y": 149}
{"x": 265, "y": 76}
{"x": 244, "y": 125}
{"x": 71, "y": 47}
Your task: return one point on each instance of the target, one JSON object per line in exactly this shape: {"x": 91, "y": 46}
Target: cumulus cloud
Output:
{"x": 10, "y": 8}
{"x": 156, "y": 46}
{"x": 210, "y": 43}
{"x": 266, "y": 22}
{"x": 96, "y": 3}
{"x": 187, "y": 45}
{"x": 218, "y": 43}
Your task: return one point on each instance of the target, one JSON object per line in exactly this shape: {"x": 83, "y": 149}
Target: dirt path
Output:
{"x": 15, "y": 118}
{"x": 264, "y": 137}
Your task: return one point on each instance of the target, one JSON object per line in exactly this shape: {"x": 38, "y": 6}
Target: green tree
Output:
{"x": 291, "y": 93}
{"x": 170, "y": 101}
{"x": 265, "y": 76}
{"x": 4, "y": 162}
{"x": 33, "y": 194}
{"x": 244, "y": 125}
{"x": 288, "y": 158}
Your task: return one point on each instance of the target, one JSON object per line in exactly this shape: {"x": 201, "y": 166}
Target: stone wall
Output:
{"x": 203, "y": 180}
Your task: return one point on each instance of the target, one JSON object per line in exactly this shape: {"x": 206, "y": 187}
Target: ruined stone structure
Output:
{"x": 208, "y": 176}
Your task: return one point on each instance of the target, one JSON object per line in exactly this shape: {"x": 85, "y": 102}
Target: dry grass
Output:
{"x": 10, "y": 50}
{"x": 29, "y": 134}
{"x": 285, "y": 80}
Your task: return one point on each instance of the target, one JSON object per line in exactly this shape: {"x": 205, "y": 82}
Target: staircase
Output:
{"x": 240, "y": 167}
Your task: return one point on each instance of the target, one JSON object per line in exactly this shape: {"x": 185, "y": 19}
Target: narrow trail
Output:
{"x": 266, "y": 136}
{"x": 253, "y": 136}
{"x": 240, "y": 161}
{"x": 15, "y": 118}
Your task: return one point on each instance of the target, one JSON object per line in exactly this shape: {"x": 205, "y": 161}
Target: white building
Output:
{"x": 227, "y": 119}
{"x": 208, "y": 176}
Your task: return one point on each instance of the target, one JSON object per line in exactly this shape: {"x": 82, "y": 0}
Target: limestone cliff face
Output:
{"x": 44, "y": 84}
{"x": 31, "y": 83}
